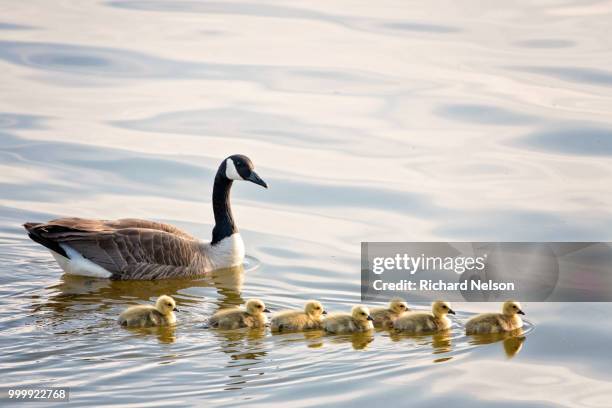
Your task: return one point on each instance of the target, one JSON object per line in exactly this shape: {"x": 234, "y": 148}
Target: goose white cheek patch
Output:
{"x": 230, "y": 170}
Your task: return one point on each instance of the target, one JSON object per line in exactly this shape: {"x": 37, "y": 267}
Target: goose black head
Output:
{"x": 240, "y": 167}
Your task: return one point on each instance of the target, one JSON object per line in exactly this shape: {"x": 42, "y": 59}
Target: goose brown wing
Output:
{"x": 128, "y": 253}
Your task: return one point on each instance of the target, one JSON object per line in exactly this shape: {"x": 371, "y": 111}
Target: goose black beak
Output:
{"x": 254, "y": 178}
{"x": 451, "y": 311}
{"x": 176, "y": 309}
{"x": 370, "y": 318}
{"x": 324, "y": 312}
{"x": 521, "y": 312}
{"x": 266, "y": 310}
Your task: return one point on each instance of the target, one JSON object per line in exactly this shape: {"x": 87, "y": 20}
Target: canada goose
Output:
{"x": 423, "y": 322}
{"x": 384, "y": 316}
{"x": 236, "y": 318}
{"x": 506, "y": 321}
{"x": 162, "y": 314}
{"x": 310, "y": 318}
{"x": 128, "y": 249}
{"x": 359, "y": 320}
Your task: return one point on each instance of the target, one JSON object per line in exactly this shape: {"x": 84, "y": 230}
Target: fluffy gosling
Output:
{"x": 422, "y": 322}
{"x": 506, "y": 321}
{"x": 359, "y": 320}
{"x": 236, "y": 318}
{"x": 310, "y": 318}
{"x": 384, "y": 316}
{"x": 162, "y": 314}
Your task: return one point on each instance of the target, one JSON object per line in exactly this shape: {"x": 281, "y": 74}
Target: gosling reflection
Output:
{"x": 512, "y": 341}
{"x": 313, "y": 338}
{"x": 164, "y": 334}
{"x": 359, "y": 340}
{"x": 242, "y": 344}
{"x": 440, "y": 342}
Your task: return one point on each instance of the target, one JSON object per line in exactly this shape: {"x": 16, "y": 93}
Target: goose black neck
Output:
{"x": 224, "y": 221}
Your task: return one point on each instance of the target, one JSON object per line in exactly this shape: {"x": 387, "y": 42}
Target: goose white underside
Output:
{"x": 226, "y": 253}
{"x": 77, "y": 265}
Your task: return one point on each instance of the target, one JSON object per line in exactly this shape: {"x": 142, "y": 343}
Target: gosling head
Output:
{"x": 255, "y": 307}
{"x": 361, "y": 313}
{"x": 441, "y": 308}
{"x": 512, "y": 308}
{"x": 165, "y": 304}
{"x": 240, "y": 168}
{"x": 314, "y": 308}
{"x": 398, "y": 306}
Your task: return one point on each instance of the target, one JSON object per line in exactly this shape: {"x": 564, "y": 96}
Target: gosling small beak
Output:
{"x": 521, "y": 312}
{"x": 254, "y": 178}
{"x": 451, "y": 311}
{"x": 324, "y": 312}
{"x": 176, "y": 309}
{"x": 266, "y": 310}
{"x": 370, "y": 318}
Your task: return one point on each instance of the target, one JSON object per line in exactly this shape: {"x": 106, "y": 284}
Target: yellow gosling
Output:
{"x": 235, "y": 318}
{"x": 162, "y": 314}
{"x": 487, "y": 323}
{"x": 423, "y": 322}
{"x": 384, "y": 316}
{"x": 359, "y": 320}
{"x": 310, "y": 318}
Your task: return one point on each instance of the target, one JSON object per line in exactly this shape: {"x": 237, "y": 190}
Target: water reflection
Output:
{"x": 588, "y": 76}
{"x": 440, "y": 342}
{"x": 241, "y": 344}
{"x": 74, "y": 295}
{"x": 359, "y": 341}
{"x": 572, "y": 139}
{"x": 512, "y": 341}
{"x": 164, "y": 334}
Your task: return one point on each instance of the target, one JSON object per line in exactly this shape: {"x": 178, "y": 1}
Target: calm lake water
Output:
{"x": 393, "y": 121}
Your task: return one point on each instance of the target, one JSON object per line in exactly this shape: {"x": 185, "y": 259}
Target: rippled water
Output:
{"x": 393, "y": 121}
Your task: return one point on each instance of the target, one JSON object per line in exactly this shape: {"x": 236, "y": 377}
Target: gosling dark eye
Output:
{"x": 514, "y": 307}
{"x": 444, "y": 307}
{"x": 363, "y": 314}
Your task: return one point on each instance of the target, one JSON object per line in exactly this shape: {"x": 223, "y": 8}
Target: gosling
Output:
{"x": 359, "y": 320}
{"x": 162, "y": 314}
{"x": 423, "y": 322}
{"x": 383, "y": 317}
{"x": 506, "y": 321}
{"x": 235, "y": 318}
{"x": 295, "y": 320}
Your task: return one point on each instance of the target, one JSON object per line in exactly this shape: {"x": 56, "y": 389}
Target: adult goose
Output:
{"x": 132, "y": 249}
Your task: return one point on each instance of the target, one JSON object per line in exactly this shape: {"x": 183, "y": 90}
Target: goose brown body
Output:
{"x": 134, "y": 249}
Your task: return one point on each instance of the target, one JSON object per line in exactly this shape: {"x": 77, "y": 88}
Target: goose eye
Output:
{"x": 362, "y": 313}
{"x": 514, "y": 307}
{"x": 444, "y": 307}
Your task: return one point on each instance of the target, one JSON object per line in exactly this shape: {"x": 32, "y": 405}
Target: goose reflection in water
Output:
{"x": 78, "y": 299}
{"x": 512, "y": 341}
